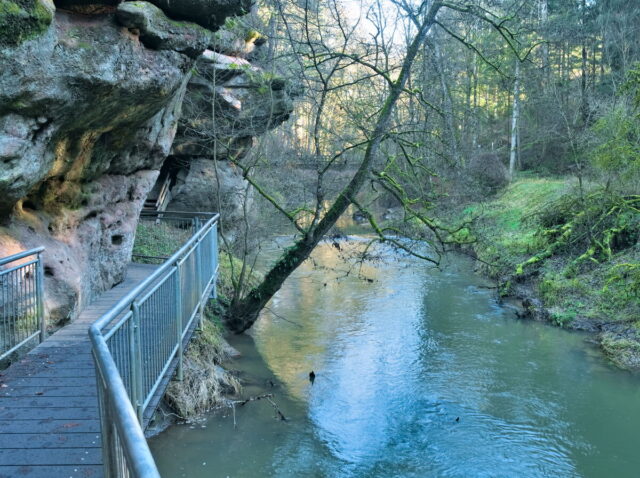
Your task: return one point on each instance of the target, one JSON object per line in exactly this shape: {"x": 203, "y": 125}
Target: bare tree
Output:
{"x": 245, "y": 312}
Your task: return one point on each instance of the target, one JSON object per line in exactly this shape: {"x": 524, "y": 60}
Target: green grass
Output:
{"x": 226, "y": 276}
{"x": 519, "y": 239}
{"x": 506, "y": 228}
{"x": 158, "y": 240}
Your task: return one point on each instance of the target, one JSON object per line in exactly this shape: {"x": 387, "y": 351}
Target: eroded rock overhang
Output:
{"x": 90, "y": 97}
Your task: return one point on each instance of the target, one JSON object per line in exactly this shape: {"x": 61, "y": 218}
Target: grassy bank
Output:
{"x": 572, "y": 256}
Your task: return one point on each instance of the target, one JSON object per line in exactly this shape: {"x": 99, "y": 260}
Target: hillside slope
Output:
{"x": 572, "y": 258}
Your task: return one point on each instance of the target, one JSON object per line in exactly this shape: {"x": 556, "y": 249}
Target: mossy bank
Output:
{"x": 570, "y": 254}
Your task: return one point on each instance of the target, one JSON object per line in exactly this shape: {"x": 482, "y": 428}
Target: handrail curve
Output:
{"x": 136, "y": 343}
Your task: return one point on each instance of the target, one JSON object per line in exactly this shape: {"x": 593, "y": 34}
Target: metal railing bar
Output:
{"x": 39, "y": 289}
{"x": 207, "y": 289}
{"x": 189, "y": 322}
{"x": 16, "y": 347}
{"x": 118, "y": 325}
{"x": 143, "y": 335}
{"x": 19, "y": 266}
{"x": 172, "y": 356}
{"x": 22, "y": 311}
{"x": 161, "y": 375}
{"x": 181, "y": 214}
{"x": 136, "y": 448}
{"x": 21, "y": 255}
{"x": 130, "y": 297}
{"x": 160, "y": 283}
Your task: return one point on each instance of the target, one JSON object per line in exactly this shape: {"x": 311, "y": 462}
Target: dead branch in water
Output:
{"x": 267, "y": 396}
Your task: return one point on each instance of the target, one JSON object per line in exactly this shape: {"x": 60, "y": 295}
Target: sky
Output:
{"x": 357, "y": 9}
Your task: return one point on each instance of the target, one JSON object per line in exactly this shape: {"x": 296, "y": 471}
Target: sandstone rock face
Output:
{"x": 87, "y": 116}
{"x": 199, "y": 186}
{"x": 247, "y": 103}
{"x": 89, "y": 107}
{"x": 159, "y": 32}
{"x": 210, "y": 14}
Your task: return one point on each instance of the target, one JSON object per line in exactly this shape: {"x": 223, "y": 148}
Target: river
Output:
{"x": 419, "y": 373}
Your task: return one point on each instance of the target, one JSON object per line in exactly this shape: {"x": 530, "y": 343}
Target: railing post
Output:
{"x": 216, "y": 261}
{"x": 106, "y": 422}
{"x": 178, "y": 300}
{"x": 196, "y": 224}
{"x": 135, "y": 361}
{"x": 200, "y": 291}
{"x": 40, "y": 297}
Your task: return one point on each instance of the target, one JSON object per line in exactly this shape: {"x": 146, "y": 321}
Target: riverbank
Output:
{"x": 571, "y": 263}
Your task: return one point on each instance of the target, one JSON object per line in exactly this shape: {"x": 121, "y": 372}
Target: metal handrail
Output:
{"x": 137, "y": 340}
{"x": 22, "y": 301}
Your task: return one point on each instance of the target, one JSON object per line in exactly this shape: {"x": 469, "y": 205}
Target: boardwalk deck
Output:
{"x": 49, "y": 425}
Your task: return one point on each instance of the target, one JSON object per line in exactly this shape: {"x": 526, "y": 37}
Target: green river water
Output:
{"x": 420, "y": 373}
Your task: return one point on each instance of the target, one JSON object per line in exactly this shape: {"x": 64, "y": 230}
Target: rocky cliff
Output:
{"x": 91, "y": 94}
{"x": 229, "y": 101}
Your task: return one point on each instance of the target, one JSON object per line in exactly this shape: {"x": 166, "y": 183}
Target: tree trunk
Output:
{"x": 515, "y": 118}
{"x": 448, "y": 108}
{"x": 584, "y": 100}
{"x": 243, "y": 314}
{"x": 543, "y": 7}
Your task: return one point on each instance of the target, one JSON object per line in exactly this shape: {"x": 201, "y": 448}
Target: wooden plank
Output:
{"x": 50, "y": 426}
{"x": 53, "y": 382}
{"x": 56, "y": 356}
{"x": 23, "y": 370}
{"x": 51, "y": 440}
{"x": 48, "y": 471}
{"x": 80, "y": 330}
{"x": 44, "y": 456}
{"x": 53, "y": 363}
{"x": 63, "y": 373}
{"x": 35, "y": 366}
{"x": 66, "y": 413}
{"x": 41, "y": 401}
{"x": 82, "y": 351}
{"x": 84, "y": 391}
{"x": 60, "y": 344}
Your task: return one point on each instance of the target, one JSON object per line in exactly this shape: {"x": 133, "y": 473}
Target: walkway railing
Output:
{"x": 135, "y": 343}
{"x": 21, "y": 301}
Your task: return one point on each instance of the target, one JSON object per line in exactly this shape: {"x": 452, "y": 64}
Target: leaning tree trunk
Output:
{"x": 242, "y": 315}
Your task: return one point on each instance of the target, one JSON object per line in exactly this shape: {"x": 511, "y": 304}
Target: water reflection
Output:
{"x": 419, "y": 374}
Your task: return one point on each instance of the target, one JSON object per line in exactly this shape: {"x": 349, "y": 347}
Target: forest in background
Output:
{"x": 514, "y": 137}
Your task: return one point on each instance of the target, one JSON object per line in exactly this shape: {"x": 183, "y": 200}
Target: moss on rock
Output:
{"x": 21, "y": 20}
{"x": 622, "y": 349}
{"x": 159, "y": 32}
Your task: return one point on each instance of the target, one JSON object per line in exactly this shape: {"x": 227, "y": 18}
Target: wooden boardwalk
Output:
{"x": 49, "y": 425}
